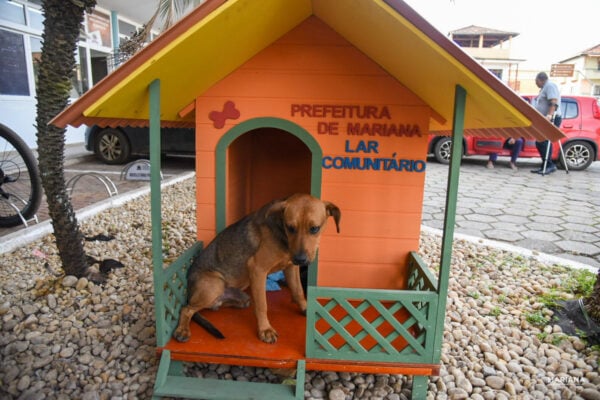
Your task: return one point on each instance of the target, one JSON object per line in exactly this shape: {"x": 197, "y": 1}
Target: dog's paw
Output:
{"x": 182, "y": 335}
{"x": 268, "y": 335}
{"x": 302, "y": 306}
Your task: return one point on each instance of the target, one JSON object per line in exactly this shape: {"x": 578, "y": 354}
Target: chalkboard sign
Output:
{"x": 13, "y": 64}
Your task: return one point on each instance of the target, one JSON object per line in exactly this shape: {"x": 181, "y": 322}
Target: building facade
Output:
{"x": 586, "y": 74}
{"x": 21, "y": 27}
{"x": 491, "y": 48}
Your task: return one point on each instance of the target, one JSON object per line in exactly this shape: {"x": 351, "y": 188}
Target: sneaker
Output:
{"x": 489, "y": 165}
{"x": 550, "y": 169}
{"x": 513, "y": 166}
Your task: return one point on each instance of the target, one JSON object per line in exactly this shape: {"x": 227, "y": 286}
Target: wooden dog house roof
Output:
{"x": 219, "y": 36}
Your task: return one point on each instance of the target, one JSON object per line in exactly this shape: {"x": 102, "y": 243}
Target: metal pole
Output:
{"x": 545, "y": 163}
{"x": 564, "y": 159}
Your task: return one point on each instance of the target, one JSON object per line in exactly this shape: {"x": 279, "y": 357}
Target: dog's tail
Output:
{"x": 210, "y": 328}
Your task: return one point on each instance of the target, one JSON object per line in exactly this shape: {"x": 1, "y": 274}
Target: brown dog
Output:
{"x": 282, "y": 235}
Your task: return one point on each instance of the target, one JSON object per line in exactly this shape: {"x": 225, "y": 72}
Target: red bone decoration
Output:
{"x": 219, "y": 117}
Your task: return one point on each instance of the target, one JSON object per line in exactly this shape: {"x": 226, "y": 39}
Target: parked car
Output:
{"x": 580, "y": 123}
{"x": 118, "y": 145}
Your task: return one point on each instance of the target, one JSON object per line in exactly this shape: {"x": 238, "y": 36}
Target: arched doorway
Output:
{"x": 262, "y": 165}
{"x": 261, "y": 160}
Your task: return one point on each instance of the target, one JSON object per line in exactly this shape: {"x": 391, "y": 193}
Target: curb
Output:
{"x": 17, "y": 239}
{"x": 542, "y": 257}
{"x": 79, "y": 158}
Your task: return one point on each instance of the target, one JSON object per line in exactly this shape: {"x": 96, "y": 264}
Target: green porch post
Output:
{"x": 155, "y": 198}
{"x": 460, "y": 97}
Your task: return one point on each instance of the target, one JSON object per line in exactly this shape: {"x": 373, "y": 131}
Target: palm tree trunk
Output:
{"x": 62, "y": 23}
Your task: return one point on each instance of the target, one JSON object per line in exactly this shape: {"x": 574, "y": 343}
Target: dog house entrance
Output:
{"x": 265, "y": 164}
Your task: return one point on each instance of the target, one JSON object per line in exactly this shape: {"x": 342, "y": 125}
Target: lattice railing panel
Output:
{"x": 419, "y": 275}
{"x": 370, "y": 325}
{"x": 172, "y": 295}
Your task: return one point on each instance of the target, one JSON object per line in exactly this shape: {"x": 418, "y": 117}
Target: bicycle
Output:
{"x": 20, "y": 183}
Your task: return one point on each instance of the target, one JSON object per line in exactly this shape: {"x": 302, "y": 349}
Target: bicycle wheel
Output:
{"x": 20, "y": 184}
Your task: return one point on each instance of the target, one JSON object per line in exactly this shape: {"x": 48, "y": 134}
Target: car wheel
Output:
{"x": 111, "y": 146}
{"x": 578, "y": 154}
{"x": 442, "y": 150}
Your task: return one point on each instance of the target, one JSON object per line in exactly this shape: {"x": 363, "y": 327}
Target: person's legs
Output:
{"x": 545, "y": 147}
{"x": 492, "y": 160}
{"x": 541, "y": 148}
{"x": 549, "y": 162}
{"x": 516, "y": 150}
{"x": 550, "y": 167}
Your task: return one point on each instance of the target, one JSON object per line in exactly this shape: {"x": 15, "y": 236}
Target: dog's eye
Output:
{"x": 291, "y": 229}
{"x": 314, "y": 230}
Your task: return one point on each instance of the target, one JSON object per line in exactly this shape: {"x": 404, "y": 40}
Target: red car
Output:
{"x": 580, "y": 123}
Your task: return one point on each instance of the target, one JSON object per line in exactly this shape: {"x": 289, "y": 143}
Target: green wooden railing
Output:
{"x": 170, "y": 293}
{"x": 419, "y": 276}
{"x": 375, "y": 325}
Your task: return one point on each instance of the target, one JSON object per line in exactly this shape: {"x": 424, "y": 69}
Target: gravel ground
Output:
{"x": 67, "y": 338}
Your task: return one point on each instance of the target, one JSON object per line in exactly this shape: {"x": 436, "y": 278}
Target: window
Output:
{"x": 13, "y": 12}
{"x": 569, "y": 109}
{"x": 80, "y": 79}
{"x": 13, "y": 64}
{"x": 497, "y": 72}
{"x": 126, "y": 30}
{"x": 21, "y": 26}
{"x": 98, "y": 61}
{"x": 17, "y": 13}
{"x": 36, "y": 18}
{"x": 36, "y": 56}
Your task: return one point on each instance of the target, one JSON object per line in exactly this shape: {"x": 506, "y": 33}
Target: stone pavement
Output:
{"x": 556, "y": 214}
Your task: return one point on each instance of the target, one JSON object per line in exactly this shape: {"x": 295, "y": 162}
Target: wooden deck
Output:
{"x": 241, "y": 345}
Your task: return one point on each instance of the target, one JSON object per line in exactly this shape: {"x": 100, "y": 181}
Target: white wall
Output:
{"x": 19, "y": 115}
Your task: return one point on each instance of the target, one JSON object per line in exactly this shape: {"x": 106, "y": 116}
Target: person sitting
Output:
{"x": 515, "y": 146}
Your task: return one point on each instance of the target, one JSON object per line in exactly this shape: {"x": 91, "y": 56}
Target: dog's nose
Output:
{"x": 301, "y": 259}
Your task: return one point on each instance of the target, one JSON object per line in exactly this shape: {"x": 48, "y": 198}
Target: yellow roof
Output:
{"x": 219, "y": 36}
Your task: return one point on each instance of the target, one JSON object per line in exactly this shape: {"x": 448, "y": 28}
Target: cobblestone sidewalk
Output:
{"x": 557, "y": 214}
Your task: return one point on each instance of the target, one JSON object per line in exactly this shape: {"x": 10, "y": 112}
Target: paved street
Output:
{"x": 557, "y": 214}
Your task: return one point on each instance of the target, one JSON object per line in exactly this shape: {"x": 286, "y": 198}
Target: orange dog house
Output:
{"x": 310, "y": 96}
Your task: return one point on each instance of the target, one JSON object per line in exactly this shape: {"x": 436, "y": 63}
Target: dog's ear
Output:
{"x": 334, "y": 211}
{"x": 274, "y": 213}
